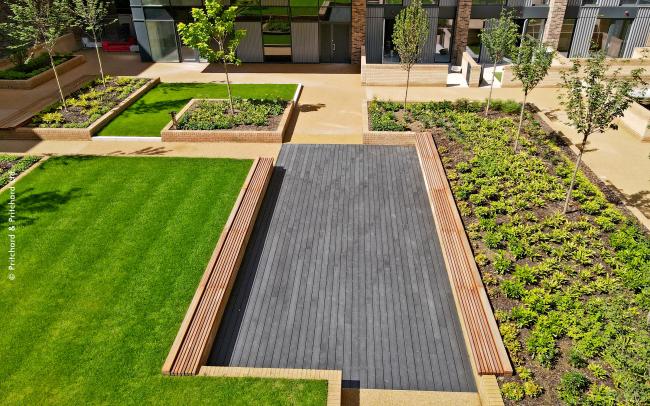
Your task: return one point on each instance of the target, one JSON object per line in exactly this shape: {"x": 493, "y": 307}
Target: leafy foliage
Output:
{"x": 214, "y": 25}
{"x": 593, "y": 96}
{"x": 32, "y": 67}
{"x": 409, "y": 36}
{"x": 566, "y": 290}
{"x": 90, "y": 16}
{"x": 88, "y": 104}
{"x": 215, "y": 115}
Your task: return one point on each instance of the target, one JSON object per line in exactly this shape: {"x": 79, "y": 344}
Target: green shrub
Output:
{"x": 531, "y": 389}
{"x": 215, "y": 115}
{"x": 512, "y": 289}
{"x": 597, "y": 370}
{"x": 512, "y": 391}
{"x": 572, "y": 386}
{"x": 32, "y": 67}
{"x": 576, "y": 359}
{"x": 493, "y": 239}
{"x": 541, "y": 346}
{"x": 501, "y": 263}
{"x": 522, "y": 316}
{"x": 600, "y": 395}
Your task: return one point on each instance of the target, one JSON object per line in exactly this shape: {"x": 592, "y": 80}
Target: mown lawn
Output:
{"x": 109, "y": 252}
{"x": 147, "y": 116}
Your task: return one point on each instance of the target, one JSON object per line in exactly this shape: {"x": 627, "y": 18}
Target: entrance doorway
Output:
{"x": 335, "y": 43}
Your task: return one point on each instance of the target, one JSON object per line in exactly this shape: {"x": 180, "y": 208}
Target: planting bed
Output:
{"x": 37, "y": 71}
{"x": 255, "y": 115}
{"x": 13, "y": 165}
{"x": 570, "y": 292}
{"x": 88, "y": 103}
{"x": 36, "y": 65}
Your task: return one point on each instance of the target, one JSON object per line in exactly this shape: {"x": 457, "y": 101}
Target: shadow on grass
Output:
{"x": 158, "y": 106}
{"x": 224, "y": 344}
{"x": 29, "y": 205}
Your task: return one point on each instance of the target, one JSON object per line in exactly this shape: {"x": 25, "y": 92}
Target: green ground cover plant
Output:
{"x": 13, "y": 165}
{"x": 148, "y": 115}
{"x": 571, "y": 293}
{"x": 88, "y": 104}
{"x": 215, "y": 115}
{"x": 32, "y": 67}
{"x": 109, "y": 253}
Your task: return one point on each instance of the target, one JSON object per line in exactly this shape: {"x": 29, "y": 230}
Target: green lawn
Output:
{"x": 150, "y": 114}
{"x": 109, "y": 253}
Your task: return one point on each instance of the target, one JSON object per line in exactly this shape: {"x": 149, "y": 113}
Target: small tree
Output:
{"x": 91, "y": 18}
{"x": 499, "y": 40}
{"x": 215, "y": 24}
{"x": 38, "y": 22}
{"x": 593, "y": 98}
{"x": 409, "y": 35}
{"x": 532, "y": 64}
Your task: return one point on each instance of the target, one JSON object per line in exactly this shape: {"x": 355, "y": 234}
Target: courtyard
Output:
{"x": 345, "y": 268}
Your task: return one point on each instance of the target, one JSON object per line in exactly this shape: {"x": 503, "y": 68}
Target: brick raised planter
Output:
{"x": 26, "y": 84}
{"x": 79, "y": 134}
{"x": 275, "y": 136}
{"x": 384, "y": 137}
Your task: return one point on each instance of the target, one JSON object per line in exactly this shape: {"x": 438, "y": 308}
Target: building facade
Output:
{"x": 338, "y": 31}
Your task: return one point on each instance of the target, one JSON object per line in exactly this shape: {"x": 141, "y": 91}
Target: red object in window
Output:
{"x": 118, "y": 46}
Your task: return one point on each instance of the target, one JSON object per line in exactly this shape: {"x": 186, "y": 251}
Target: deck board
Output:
{"x": 344, "y": 271}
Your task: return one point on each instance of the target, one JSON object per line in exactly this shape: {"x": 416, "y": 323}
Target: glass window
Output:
{"x": 535, "y": 28}
{"x": 444, "y": 35}
{"x": 390, "y": 54}
{"x": 155, "y": 2}
{"x": 276, "y": 36}
{"x": 187, "y": 3}
{"x": 473, "y": 40}
{"x": 566, "y": 36}
{"x": 588, "y": 2}
{"x": 162, "y": 40}
{"x": 610, "y": 36}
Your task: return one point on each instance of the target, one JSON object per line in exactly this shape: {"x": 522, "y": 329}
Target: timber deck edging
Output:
{"x": 484, "y": 340}
{"x": 196, "y": 334}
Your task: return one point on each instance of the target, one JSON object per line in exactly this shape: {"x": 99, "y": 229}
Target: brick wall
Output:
{"x": 460, "y": 31}
{"x": 358, "y": 29}
{"x": 553, "y": 25}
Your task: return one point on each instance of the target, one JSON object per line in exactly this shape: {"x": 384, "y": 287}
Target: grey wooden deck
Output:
{"x": 344, "y": 271}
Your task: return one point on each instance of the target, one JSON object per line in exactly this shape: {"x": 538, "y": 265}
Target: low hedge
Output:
{"x": 13, "y": 165}
{"x": 33, "y": 67}
{"x": 216, "y": 115}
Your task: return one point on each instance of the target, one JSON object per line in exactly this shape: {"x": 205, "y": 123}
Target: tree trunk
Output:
{"x": 575, "y": 173}
{"x": 58, "y": 83}
{"x": 494, "y": 70}
{"x": 232, "y": 108}
{"x": 521, "y": 120}
{"x": 406, "y": 94}
{"x": 99, "y": 59}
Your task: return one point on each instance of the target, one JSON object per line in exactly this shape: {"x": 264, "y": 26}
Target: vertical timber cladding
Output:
{"x": 584, "y": 30}
{"x": 374, "y": 34}
{"x": 304, "y": 42}
{"x": 251, "y": 48}
{"x": 638, "y": 31}
{"x": 429, "y": 51}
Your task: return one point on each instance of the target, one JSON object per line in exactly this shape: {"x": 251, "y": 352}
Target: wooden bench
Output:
{"x": 196, "y": 335}
{"x": 479, "y": 326}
